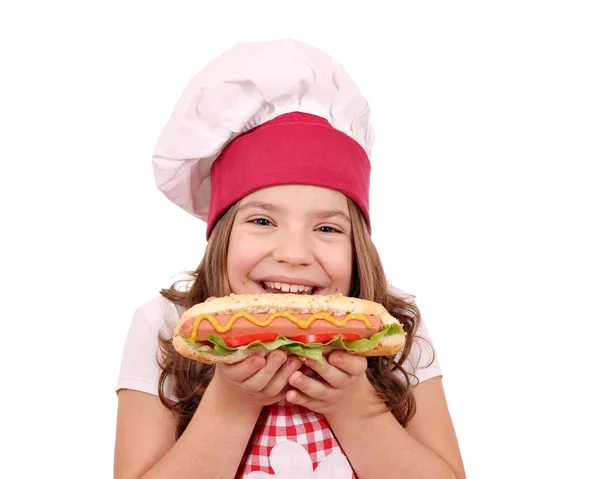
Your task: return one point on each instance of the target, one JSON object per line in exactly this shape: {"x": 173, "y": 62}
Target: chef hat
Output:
{"x": 264, "y": 114}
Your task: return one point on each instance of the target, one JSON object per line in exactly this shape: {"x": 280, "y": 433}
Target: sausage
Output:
{"x": 281, "y": 326}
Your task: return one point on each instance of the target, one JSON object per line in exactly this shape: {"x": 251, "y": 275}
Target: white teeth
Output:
{"x": 289, "y": 288}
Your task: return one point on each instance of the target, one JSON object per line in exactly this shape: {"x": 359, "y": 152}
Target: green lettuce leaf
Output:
{"x": 311, "y": 351}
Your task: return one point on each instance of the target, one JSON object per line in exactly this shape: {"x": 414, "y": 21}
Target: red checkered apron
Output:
{"x": 287, "y": 421}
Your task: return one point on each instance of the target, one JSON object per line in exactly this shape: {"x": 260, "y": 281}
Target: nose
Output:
{"x": 294, "y": 249}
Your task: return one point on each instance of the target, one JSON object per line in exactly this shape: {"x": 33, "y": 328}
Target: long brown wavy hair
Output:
{"x": 188, "y": 379}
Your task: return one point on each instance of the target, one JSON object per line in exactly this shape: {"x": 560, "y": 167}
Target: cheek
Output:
{"x": 241, "y": 259}
{"x": 340, "y": 265}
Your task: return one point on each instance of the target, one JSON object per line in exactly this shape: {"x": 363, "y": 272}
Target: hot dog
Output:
{"x": 234, "y": 327}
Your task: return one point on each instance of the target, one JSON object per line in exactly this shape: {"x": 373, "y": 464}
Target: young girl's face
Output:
{"x": 291, "y": 238}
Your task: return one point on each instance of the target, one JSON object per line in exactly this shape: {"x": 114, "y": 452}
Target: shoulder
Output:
{"x": 422, "y": 362}
{"x": 139, "y": 366}
{"x": 158, "y": 314}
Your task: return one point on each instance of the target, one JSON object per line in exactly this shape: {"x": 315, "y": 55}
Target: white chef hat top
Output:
{"x": 247, "y": 86}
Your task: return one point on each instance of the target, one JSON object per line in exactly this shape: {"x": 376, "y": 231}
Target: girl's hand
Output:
{"x": 256, "y": 381}
{"x": 343, "y": 386}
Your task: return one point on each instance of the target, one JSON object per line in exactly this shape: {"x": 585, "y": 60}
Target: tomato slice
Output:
{"x": 237, "y": 341}
{"x": 324, "y": 337}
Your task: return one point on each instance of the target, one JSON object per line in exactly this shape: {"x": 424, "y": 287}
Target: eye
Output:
{"x": 261, "y": 222}
{"x": 328, "y": 229}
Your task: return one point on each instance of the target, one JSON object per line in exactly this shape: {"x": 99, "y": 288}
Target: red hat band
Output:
{"x": 294, "y": 148}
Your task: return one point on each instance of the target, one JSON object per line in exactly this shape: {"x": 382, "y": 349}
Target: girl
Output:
{"x": 270, "y": 145}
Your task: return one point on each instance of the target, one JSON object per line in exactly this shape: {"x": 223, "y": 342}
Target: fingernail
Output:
{"x": 257, "y": 362}
{"x": 278, "y": 359}
{"x": 335, "y": 360}
{"x": 297, "y": 379}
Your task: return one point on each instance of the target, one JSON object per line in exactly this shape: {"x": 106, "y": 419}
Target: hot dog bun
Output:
{"x": 300, "y": 304}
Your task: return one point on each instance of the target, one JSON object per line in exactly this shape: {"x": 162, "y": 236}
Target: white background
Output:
{"x": 484, "y": 202}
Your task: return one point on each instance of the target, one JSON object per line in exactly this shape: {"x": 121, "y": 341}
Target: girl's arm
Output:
{"x": 145, "y": 433}
{"x": 211, "y": 446}
{"x": 214, "y": 441}
{"x": 378, "y": 446}
{"x": 374, "y": 442}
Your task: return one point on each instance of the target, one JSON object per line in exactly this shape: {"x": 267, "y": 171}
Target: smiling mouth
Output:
{"x": 275, "y": 287}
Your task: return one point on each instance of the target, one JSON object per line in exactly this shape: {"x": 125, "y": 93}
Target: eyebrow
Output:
{"x": 259, "y": 205}
{"x": 322, "y": 214}
{"x": 329, "y": 214}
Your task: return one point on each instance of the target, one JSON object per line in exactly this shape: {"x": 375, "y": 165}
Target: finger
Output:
{"x": 308, "y": 371}
{"x": 280, "y": 380}
{"x": 296, "y": 397}
{"x": 263, "y": 376}
{"x": 310, "y": 387}
{"x": 335, "y": 377}
{"x": 245, "y": 369}
{"x": 349, "y": 363}
{"x": 210, "y": 298}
